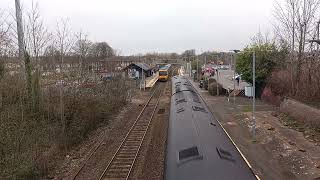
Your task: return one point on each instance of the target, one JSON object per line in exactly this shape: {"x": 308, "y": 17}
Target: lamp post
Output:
{"x": 253, "y": 122}
{"x": 197, "y": 69}
{"x": 254, "y": 94}
{"x": 234, "y": 74}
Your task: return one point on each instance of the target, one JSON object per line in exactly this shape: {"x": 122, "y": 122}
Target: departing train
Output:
{"x": 198, "y": 148}
{"x": 164, "y": 72}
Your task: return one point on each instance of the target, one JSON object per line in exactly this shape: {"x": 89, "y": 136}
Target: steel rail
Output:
{"x": 94, "y": 150}
{"x": 135, "y": 143}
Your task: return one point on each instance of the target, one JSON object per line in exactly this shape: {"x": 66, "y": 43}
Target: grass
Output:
{"x": 247, "y": 108}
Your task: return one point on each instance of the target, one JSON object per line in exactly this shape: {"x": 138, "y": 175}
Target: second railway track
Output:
{"x": 123, "y": 160}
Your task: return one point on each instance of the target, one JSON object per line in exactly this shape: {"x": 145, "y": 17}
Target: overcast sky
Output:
{"x": 140, "y": 26}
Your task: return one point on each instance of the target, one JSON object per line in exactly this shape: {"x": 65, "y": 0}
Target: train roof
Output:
{"x": 166, "y": 67}
{"x": 198, "y": 147}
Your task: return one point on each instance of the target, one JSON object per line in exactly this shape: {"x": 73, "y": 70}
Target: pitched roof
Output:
{"x": 143, "y": 66}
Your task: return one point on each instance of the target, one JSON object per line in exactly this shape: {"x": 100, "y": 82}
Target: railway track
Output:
{"x": 123, "y": 160}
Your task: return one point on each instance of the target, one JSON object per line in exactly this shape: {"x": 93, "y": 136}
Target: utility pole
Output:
{"x": 23, "y": 56}
{"x": 217, "y": 82}
{"x": 318, "y": 23}
{"x": 205, "y": 59}
{"x": 234, "y": 79}
{"x": 197, "y": 69}
{"x": 19, "y": 29}
{"x": 254, "y": 94}
{"x": 293, "y": 27}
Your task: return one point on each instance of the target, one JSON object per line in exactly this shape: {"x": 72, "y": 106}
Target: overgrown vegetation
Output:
{"x": 297, "y": 74}
{"x": 289, "y": 64}
{"x": 266, "y": 56}
{"x": 33, "y": 135}
{"x": 51, "y": 95}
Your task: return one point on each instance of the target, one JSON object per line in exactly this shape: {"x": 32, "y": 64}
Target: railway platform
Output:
{"x": 151, "y": 81}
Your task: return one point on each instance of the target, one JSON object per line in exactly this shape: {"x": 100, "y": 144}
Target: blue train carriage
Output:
{"x": 164, "y": 72}
{"x": 197, "y": 146}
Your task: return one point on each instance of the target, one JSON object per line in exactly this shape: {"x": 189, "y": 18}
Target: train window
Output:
{"x": 189, "y": 154}
{"x": 180, "y": 110}
{"x": 163, "y": 73}
{"x": 197, "y": 108}
{"x": 224, "y": 154}
{"x": 213, "y": 124}
{"x": 178, "y": 88}
{"x": 180, "y": 101}
{"x": 196, "y": 99}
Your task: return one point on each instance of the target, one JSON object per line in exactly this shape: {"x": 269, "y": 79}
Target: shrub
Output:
{"x": 212, "y": 87}
{"x": 33, "y": 134}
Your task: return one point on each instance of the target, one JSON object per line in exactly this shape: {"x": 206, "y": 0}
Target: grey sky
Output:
{"x": 139, "y": 26}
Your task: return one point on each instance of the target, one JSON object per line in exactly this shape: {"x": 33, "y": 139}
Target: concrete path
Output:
{"x": 225, "y": 79}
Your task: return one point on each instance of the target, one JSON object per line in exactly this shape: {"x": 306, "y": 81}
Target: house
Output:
{"x": 135, "y": 70}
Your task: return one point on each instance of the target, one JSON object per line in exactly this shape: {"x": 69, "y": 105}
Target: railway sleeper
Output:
{"x": 120, "y": 166}
{"x": 135, "y": 136}
{"x": 126, "y": 155}
{"x": 118, "y": 169}
{"x": 128, "y": 151}
{"x": 114, "y": 178}
{"x": 137, "y": 132}
{"x": 139, "y": 129}
{"x": 135, "y": 139}
{"x": 143, "y": 122}
{"x": 140, "y": 126}
{"x": 125, "y": 151}
{"x": 124, "y": 159}
{"x": 132, "y": 140}
{"x": 115, "y": 175}
{"x": 128, "y": 148}
{"x": 121, "y": 162}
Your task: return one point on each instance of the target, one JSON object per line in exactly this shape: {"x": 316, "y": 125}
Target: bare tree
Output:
{"x": 64, "y": 42}
{"x": 5, "y": 38}
{"x": 82, "y": 44}
{"x": 81, "y": 50}
{"x": 296, "y": 23}
{"x": 38, "y": 36}
{"x": 63, "y": 39}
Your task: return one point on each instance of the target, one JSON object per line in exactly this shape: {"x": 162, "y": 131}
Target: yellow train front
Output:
{"x": 164, "y": 72}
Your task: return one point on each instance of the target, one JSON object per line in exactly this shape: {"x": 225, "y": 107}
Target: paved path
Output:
{"x": 225, "y": 78}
